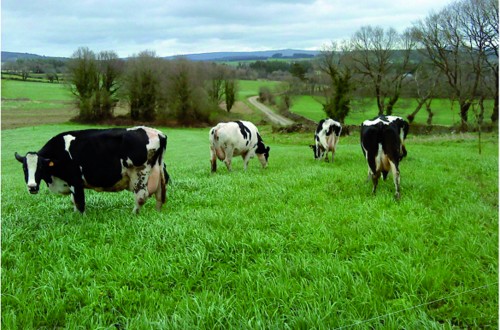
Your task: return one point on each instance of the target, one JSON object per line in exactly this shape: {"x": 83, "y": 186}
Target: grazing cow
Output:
{"x": 237, "y": 138}
{"x": 101, "y": 159}
{"x": 326, "y": 138}
{"x": 382, "y": 143}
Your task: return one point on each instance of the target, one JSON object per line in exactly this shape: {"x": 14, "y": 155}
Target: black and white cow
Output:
{"x": 382, "y": 142}
{"x": 326, "y": 138}
{"x": 101, "y": 159}
{"x": 237, "y": 138}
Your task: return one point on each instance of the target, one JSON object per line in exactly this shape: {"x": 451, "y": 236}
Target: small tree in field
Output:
{"x": 333, "y": 64}
{"x": 230, "y": 88}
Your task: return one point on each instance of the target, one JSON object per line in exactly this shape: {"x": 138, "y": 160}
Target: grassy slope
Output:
{"x": 445, "y": 113}
{"x": 302, "y": 244}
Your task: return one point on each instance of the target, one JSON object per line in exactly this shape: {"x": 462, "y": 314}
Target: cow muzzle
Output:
{"x": 33, "y": 189}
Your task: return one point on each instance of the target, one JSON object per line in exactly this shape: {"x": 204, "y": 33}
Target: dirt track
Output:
{"x": 274, "y": 117}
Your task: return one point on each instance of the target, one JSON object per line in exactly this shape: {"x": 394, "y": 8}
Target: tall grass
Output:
{"x": 301, "y": 244}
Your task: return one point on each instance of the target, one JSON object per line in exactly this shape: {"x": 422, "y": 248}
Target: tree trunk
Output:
{"x": 464, "y": 111}
{"x": 430, "y": 114}
{"x": 411, "y": 116}
{"x": 494, "y": 115}
{"x": 390, "y": 105}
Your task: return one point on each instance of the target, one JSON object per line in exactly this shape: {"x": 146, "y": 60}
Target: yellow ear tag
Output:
{"x": 51, "y": 164}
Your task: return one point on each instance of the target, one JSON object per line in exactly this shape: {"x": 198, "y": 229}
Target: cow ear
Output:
{"x": 19, "y": 158}
{"x": 268, "y": 148}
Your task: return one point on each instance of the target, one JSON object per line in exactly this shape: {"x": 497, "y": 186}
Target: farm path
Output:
{"x": 274, "y": 117}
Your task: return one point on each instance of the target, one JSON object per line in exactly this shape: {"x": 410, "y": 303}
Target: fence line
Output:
{"x": 416, "y": 306}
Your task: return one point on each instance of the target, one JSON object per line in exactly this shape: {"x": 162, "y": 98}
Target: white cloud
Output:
{"x": 180, "y": 27}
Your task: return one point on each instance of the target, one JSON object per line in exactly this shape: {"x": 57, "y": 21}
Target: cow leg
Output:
{"x": 78, "y": 198}
{"x": 213, "y": 159}
{"x": 156, "y": 185}
{"x": 397, "y": 180}
{"x": 375, "y": 178}
{"x": 161, "y": 193}
{"x": 229, "y": 157}
{"x": 371, "y": 157}
{"x": 139, "y": 185}
{"x": 246, "y": 158}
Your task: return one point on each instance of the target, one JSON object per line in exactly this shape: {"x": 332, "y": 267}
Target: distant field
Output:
{"x": 445, "y": 113}
{"x": 300, "y": 245}
{"x": 249, "y": 88}
{"x": 35, "y": 91}
{"x": 34, "y": 103}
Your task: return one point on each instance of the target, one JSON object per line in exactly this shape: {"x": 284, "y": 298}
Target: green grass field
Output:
{"x": 35, "y": 91}
{"x": 247, "y": 88}
{"x": 445, "y": 112}
{"x": 300, "y": 245}
{"x": 32, "y": 103}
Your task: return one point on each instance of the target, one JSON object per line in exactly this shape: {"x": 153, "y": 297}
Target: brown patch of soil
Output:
{"x": 14, "y": 118}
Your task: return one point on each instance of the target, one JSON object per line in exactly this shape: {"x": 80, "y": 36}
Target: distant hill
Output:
{"x": 13, "y": 56}
{"x": 241, "y": 56}
{"x": 216, "y": 56}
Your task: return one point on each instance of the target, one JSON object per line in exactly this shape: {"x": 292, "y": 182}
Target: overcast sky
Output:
{"x": 175, "y": 27}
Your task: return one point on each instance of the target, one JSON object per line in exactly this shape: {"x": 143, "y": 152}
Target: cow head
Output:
{"x": 35, "y": 169}
{"x": 262, "y": 153}
{"x": 318, "y": 151}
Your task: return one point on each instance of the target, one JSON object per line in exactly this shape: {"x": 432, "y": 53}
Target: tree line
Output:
{"x": 451, "y": 53}
{"x": 152, "y": 87}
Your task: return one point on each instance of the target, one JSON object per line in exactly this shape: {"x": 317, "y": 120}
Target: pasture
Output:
{"x": 28, "y": 103}
{"x": 445, "y": 112}
{"x": 300, "y": 245}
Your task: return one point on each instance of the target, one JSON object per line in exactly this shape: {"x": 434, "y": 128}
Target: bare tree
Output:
{"x": 383, "y": 59}
{"x": 460, "y": 40}
{"x": 188, "y": 100}
{"x": 111, "y": 69}
{"x": 479, "y": 24}
{"x": 215, "y": 85}
{"x": 93, "y": 81}
{"x": 84, "y": 79}
{"x": 424, "y": 84}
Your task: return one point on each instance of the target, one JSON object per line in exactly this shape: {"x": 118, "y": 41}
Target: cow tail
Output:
{"x": 158, "y": 158}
